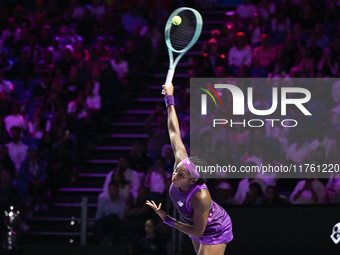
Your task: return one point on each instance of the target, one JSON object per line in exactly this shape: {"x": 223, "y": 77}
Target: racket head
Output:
{"x": 180, "y": 38}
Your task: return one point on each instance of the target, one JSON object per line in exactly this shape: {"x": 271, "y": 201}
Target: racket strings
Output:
{"x": 181, "y": 35}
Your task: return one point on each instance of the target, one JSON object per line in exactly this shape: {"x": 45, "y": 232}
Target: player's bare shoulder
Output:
{"x": 201, "y": 199}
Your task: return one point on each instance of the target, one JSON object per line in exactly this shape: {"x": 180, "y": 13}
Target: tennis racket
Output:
{"x": 180, "y": 38}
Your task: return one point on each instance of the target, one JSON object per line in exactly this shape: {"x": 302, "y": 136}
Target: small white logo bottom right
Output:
{"x": 335, "y": 236}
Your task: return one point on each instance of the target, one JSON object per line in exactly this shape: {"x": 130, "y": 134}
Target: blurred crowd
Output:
{"x": 67, "y": 68}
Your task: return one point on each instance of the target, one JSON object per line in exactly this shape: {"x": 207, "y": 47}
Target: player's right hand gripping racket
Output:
{"x": 180, "y": 38}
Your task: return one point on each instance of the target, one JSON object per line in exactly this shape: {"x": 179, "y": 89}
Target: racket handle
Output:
{"x": 169, "y": 77}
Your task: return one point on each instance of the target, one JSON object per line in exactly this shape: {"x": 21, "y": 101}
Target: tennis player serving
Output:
{"x": 207, "y": 224}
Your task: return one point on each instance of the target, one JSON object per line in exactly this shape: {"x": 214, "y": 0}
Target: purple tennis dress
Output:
{"x": 219, "y": 227}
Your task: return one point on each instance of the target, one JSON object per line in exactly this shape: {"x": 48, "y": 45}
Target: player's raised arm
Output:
{"x": 173, "y": 126}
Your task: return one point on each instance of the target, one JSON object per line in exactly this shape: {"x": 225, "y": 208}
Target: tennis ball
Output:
{"x": 176, "y": 20}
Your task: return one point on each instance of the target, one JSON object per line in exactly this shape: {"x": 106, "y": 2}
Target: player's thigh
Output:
{"x": 216, "y": 249}
{"x": 196, "y": 245}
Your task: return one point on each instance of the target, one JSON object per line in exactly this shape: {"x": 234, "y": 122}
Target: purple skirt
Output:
{"x": 219, "y": 230}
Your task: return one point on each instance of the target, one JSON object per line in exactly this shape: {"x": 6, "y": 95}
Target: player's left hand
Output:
{"x": 156, "y": 208}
